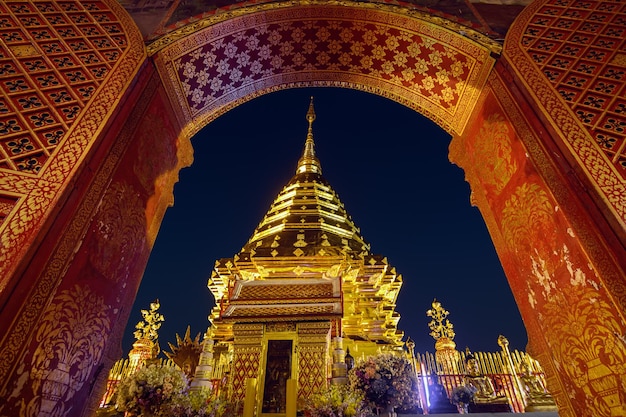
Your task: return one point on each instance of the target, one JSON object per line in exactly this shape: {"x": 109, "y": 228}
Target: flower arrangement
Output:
{"x": 198, "y": 404}
{"x": 163, "y": 391}
{"x": 148, "y": 389}
{"x": 336, "y": 401}
{"x": 462, "y": 395}
{"x": 386, "y": 380}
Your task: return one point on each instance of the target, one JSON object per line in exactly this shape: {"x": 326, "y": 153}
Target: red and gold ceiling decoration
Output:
{"x": 572, "y": 56}
{"x": 63, "y": 67}
{"x": 420, "y": 63}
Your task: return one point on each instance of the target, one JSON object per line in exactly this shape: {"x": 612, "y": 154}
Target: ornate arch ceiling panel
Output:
{"x": 571, "y": 55}
{"x": 64, "y": 65}
{"x": 426, "y": 63}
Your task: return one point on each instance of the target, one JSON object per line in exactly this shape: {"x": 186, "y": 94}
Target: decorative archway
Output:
{"x": 79, "y": 215}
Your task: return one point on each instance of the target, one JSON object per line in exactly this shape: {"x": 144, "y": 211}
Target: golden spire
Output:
{"x": 309, "y": 162}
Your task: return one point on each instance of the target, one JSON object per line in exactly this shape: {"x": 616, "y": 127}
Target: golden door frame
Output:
{"x": 77, "y": 230}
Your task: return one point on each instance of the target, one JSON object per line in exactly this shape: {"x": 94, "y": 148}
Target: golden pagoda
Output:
{"x": 306, "y": 278}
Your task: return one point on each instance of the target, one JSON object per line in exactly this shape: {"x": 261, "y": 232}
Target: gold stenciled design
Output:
{"x": 7, "y": 204}
{"x": 493, "y": 155}
{"x": 16, "y": 338}
{"x": 586, "y": 134}
{"x": 204, "y": 82}
{"x": 591, "y": 355}
{"x": 70, "y": 344}
{"x": 22, "y": 226}
{"x": 524, "y": 214}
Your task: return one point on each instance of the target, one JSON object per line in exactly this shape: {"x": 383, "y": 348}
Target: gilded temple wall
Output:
{"x": 313, "y": 353}
{"x": 248, "y": 347}
{"x": 65, "y": 68}
{"x": 571, "y": 59}
{"x": 81, "y": 326}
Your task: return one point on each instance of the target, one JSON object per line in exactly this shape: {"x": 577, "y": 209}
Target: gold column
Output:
{"x": 313, "y": 347}
{"x": 248, "y": 346}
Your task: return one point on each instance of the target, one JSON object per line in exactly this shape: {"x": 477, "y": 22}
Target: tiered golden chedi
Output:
{"x": 307, "y": 261}
{"x": 306, "y": 276}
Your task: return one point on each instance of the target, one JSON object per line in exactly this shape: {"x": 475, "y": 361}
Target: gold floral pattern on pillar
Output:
{"x": 120, "y": 227}
{"x": 525, "y": 215}
{"x": 591, "y": 354}
{"x": 69, "y": 344}
{"x": 7, "y": 203}
{"x": 493, "y": 150}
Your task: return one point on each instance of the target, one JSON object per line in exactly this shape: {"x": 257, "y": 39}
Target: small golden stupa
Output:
{"x": 304, "y": 278}
{"x": 442, "y": 330}
{"x": 146, "y": 346}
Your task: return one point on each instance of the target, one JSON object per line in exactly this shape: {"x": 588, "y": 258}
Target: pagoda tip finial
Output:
{"x": 310, "y": 115}
{"x": 309, "y": 162}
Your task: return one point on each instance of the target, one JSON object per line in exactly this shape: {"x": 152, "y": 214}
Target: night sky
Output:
{"x": 390, "y": 168}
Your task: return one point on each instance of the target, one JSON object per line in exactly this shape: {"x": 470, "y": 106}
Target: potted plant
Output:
{"x": 156, "y": 391}
{"x": 461, "y": 396}
{"x": 387, "y": 382}
{"x": 336, "y": 401}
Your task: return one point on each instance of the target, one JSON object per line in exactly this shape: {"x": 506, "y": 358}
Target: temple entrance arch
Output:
{"x": 411, "y": 58}
{"x": 516, "y": 183}
{"x": 78, "y": 226}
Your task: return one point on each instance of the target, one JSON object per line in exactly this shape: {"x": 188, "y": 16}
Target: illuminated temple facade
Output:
{"x": 305, "y": 279}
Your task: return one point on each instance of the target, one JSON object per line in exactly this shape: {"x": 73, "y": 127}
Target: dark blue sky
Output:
{"x": 390, "y": 168}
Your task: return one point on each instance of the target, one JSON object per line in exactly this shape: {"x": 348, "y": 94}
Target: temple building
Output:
{"x": 305, "y": 282}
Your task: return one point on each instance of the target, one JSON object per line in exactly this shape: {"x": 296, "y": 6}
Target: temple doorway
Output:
{"x": 278, "y": 369}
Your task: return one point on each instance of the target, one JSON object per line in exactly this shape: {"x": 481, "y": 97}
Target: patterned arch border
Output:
{"x": 571, "y": 57}
{"x": 421, "y": 64}
{"x": 36, "y": 195}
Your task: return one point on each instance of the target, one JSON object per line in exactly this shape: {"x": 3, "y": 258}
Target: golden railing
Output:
{"x": 448, "y": 373}
{"x": 495, "y": 365}
{"x": 120, "y": 370}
